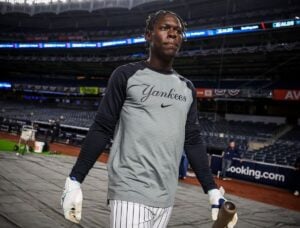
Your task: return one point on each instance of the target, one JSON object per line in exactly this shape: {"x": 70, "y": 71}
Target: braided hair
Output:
{"x": 154, "y": 17}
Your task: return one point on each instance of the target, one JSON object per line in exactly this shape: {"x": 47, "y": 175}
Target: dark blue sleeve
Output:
{"x": 237, "y": 153}
{"x": 195, "y": 148}
{"x": 103, "y": 126}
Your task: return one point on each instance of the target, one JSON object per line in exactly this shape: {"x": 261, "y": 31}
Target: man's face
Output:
{"x": 166, "y": 38}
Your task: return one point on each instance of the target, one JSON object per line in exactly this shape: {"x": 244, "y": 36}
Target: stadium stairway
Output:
{"x": 282, "y": 131}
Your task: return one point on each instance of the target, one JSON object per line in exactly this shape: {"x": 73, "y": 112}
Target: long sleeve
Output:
{"x": 103, "y": 127}
{"x": 196, "y": 150}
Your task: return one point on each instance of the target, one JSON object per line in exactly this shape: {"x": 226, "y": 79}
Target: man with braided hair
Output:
{"x": 150, "y": 111}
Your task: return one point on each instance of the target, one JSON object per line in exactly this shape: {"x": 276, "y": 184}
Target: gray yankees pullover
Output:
{"x": 152, "y": 117}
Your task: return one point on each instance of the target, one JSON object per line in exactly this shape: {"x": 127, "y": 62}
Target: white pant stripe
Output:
{"x": 133, "y": 215}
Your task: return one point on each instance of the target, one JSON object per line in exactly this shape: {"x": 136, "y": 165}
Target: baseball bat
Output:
{"x": 225, "y": 215}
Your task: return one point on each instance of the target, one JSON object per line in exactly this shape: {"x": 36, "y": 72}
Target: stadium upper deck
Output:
{"x": 268, "y": 53}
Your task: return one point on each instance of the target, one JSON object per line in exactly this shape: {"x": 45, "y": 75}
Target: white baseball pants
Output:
{"x": 134, "y": 215}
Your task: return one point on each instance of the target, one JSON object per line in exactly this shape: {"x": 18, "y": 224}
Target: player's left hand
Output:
{"x": 216, "y": 199}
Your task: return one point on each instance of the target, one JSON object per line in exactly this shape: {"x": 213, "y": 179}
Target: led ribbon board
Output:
{"x": 255, "y": 27}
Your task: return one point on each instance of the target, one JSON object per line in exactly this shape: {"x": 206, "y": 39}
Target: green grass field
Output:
{"x": 6, "y": 145}
{"x": 9, "y": 146}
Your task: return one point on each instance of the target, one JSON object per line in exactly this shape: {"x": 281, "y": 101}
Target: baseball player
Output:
{"x": 150, "y": 111}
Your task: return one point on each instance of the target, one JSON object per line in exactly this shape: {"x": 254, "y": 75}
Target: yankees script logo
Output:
{"x": 150, "y": 91}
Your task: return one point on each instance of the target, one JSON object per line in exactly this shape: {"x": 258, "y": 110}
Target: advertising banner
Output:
{"x": 258, "y": 172}
{"x": 204, "y": 93}
{"x": 89, "y": 90}
{"x": 282, "y": 94}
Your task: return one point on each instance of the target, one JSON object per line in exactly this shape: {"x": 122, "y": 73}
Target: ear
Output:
{"x": 148, "y": 35}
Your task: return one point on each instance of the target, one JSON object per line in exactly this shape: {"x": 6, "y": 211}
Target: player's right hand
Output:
{"x": 71, "y": 200}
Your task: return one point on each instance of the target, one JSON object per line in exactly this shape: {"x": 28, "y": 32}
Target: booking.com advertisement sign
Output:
{"x": 258, "y": 172}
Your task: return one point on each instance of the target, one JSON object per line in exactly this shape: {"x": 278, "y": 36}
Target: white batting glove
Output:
{"x": 216, "y": 199}
{"x": 71, "y": 200}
